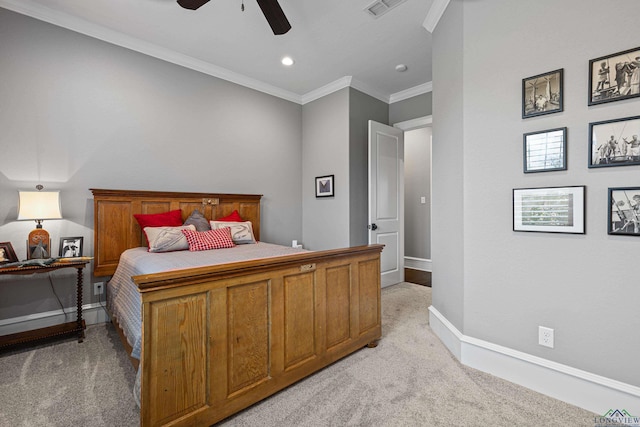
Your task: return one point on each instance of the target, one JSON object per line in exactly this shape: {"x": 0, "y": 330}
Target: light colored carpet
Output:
{"x": 410, "y": 379}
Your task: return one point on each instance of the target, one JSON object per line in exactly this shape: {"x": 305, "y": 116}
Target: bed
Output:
{"x": 216, "y": 339}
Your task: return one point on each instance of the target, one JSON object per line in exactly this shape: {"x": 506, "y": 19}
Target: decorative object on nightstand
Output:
{"x": 39, "y": 205}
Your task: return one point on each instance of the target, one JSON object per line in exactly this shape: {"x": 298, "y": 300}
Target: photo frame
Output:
{"x": 623, "y": 216}
{"x": 614, "y": 77}
{"x": 545, "y": 151}
{"x": 71, "y": 247}
{"x": 549, "y": 209}
{"x": 7, "y": 254}
{"x": 542, "y": 94}
{"x": 614, "y": 142}
{"x": 325, "y": 186}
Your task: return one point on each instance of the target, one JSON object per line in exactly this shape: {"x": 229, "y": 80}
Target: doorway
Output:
{"x": 417, "y": 200}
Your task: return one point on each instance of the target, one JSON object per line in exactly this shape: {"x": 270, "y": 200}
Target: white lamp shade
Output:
{"x": 39, "y": 205}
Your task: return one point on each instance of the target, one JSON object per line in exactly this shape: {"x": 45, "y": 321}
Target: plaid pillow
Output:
{"x": 211, "y": 239}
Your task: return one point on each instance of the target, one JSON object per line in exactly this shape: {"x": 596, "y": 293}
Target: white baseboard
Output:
{"x": 417, "y": 263}
{"x": 91, "y": 313}
{"x": 592, "y": 392}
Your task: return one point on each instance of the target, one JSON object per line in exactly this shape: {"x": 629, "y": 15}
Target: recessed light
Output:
{"x": 287, "y": 61}
{"x": 401, "y": 68}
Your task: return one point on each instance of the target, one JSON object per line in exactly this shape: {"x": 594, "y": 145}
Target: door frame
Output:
{"x": 405, "y": 126}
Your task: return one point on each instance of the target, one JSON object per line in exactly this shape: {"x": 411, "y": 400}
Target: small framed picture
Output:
{"x": 545, "y": 151}
{"x": 542, "y": 94}
{"x": 550, "y": 209}
{"x": 614, "y": 77}
{"x": 7, "y": 254}
{"x": 71, "y": 247}
{"x": 324, "y": 186}
{"x": 614, "y": 142}
{"x": 624, "y": 211}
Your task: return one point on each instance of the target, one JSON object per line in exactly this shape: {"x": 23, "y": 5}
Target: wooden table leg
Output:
{"x": 79, "y": 312}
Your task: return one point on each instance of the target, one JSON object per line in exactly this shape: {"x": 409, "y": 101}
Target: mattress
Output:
{"x": 123, "y": 298}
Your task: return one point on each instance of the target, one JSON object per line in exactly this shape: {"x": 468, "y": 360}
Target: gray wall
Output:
{"x": 447, "y": 235}
{"x": 490, "y": 282}
{"x": 325, "y": 151}
{"x": 362, "y": 108}
{"x": 411, "y": 108}
{"x": 78, "y": 113}
{"x": 417, "y": 184}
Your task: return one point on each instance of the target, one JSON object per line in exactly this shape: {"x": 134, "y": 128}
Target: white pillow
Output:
{"x": 241, "y": 232}
{"x": 167, "y": 239}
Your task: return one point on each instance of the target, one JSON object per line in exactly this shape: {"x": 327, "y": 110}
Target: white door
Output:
{"x": 386, "y": 198}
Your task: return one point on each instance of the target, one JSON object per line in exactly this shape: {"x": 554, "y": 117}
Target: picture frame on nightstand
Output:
{"x": 71, "y": 247}
{"x": 7, "y": 254}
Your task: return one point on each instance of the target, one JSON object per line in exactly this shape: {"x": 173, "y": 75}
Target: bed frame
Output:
{"x": 218, "y": 339}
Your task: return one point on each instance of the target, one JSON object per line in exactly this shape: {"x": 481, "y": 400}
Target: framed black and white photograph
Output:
{"x": 624, "y": 211}
{"x": 542, "y": 94}
{"x": 549, "y": 209}
{"x": 614, "y": 77}
{"x": 614, "y": 142}
{"x": 71, "y": 247}
{"x": 7, "y": 254}
{"x": 545, "y": 151}
{"x": 324, "y": 186}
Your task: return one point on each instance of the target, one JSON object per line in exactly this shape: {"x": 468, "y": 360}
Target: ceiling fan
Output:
{"x": 270, "y": 8}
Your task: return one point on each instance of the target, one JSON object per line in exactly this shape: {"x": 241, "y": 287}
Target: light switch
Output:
{"x": 423, "y": 200}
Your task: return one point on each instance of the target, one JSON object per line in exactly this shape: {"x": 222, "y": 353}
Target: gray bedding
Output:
{"x": 124, "y": 300}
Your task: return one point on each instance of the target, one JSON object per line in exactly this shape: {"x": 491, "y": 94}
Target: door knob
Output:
{"x": 373, "y": 227}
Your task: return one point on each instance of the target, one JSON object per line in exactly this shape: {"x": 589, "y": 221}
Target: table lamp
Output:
{"x": 39, "y": 205}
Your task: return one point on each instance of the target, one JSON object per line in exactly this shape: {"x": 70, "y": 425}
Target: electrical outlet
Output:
{"x": 98, "y": 288}
{"x": 545, "y": 336}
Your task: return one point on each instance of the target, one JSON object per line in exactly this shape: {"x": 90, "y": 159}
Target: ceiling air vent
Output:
{"x": 380, "y": 7}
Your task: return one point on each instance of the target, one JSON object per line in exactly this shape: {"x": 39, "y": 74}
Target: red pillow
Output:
{"x": 234, "y": 217}
{"x": 164, "y": 219}
{"x": 210, "y": 239}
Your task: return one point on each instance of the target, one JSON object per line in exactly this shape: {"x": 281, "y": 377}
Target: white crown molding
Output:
{"x": 435, "y": 13}
{"x": 327, "y": 89}
{"x": 42, "y": 13}
{"x": 371, "y": 91}
{"x": 411, "y": 92}
{"x": 575, "y": 386}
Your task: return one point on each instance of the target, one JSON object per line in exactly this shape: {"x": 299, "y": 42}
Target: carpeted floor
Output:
{"x": 410, "y": 379}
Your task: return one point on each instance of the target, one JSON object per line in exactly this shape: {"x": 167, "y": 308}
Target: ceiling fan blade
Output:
{"x": 192, "y": 4}
{"x": 275, "y": 16}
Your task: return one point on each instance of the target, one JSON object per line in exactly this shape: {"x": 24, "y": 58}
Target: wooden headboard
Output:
{"x": 116, "y": 229}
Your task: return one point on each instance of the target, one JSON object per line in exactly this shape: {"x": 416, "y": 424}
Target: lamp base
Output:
{"x": 38, "y": 244}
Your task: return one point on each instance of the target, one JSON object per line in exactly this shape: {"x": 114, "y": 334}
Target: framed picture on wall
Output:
{"x": 71, "y": 247}
{"x": 549, "y": 209}
{"x": 614, "y": 142}
{"x": 614, "y": 77}
{"x": 624, "y": 211}
{"x": 7, "y": 254}
{"x": 545, "y": 151}
{"x": 542, "y": 94}
{"x": 324, "y": 186}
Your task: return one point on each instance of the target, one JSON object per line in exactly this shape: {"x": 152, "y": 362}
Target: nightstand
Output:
{"x": 70, "y": 328}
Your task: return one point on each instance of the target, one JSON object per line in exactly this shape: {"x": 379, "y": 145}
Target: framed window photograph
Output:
{"x": 549, "y": 209}
{"x": 71, "y": 247}
{"x": 614, "y": 77}
{"x": 324, "y": 186}
{"x": 542, "y": 94}
{"x": 7, "y": 254}
{"x": 614, "y": 142}
{"x": 624, "y": 211}
{"x": 545, "y": 151}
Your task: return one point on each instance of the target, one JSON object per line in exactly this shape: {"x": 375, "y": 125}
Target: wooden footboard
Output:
{"x": 219, "y": 339}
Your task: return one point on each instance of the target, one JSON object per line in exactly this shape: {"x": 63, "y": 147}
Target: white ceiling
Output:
{"x": 333, "y": 42}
